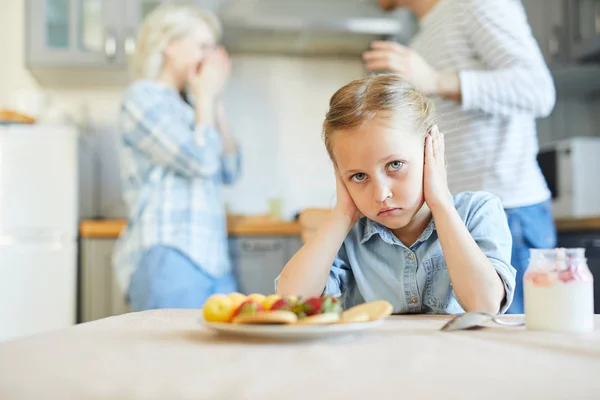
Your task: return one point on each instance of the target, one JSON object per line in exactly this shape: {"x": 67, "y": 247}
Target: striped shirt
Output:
{"x": 172, "y": 171}
{"x": 491, "y": 141}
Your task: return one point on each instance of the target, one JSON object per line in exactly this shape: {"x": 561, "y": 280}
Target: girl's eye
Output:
{"x": 395, "y": 165}
{"x": 359, "y": 177}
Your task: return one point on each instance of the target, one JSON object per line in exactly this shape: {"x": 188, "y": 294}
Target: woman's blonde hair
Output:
{"x": 166, "y": 23}
{"x": 363, "y": 99}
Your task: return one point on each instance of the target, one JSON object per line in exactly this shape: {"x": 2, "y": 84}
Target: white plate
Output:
{"x": 291, "y": 332}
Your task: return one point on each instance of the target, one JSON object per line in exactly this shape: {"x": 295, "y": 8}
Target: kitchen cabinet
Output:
{"x": 548, "y": 21}
{"x": 99, "y": 293}
{"x": 584, "y": 32}
{"x": 67, "y": 39}
{"x": 257, "y": 260}
{"x": 72, "y": 32}
{"x": 590, "y": 241}
{"x": 552, "y": 26}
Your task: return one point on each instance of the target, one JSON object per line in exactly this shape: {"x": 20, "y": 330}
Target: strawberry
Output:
{"x": 318, "y": 305}
{"x": 283, "y": 304}
{"x": 249, "y": 307}
{"x": 566, "y": 276}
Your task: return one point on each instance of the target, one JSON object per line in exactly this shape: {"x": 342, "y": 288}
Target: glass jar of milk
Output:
{"x": 559, "y": 291}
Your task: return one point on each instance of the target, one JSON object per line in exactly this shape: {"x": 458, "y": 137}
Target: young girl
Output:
{"x": 396, "y": 232}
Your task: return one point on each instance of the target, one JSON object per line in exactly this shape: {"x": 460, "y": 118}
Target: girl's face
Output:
{"x": 184, "y": 55}
{"x": 382, "y": 167}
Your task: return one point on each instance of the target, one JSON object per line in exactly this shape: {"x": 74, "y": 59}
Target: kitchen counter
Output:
{"x": 236, "y": 226}
{"x": 168, "y": 354}
{"x": 265, "y": 225}
{"x": 578, "y": 224}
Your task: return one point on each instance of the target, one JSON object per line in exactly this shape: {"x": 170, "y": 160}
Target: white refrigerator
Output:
{"x": 38, "y": 229}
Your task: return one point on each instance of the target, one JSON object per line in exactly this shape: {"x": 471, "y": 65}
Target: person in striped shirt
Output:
{"x": 176, "y": 154}
{"x": 481, "y": 65}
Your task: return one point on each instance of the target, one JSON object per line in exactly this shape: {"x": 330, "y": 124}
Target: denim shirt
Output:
{"x": 373, "y": 264}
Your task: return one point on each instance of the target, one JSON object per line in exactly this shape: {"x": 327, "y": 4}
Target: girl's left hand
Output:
{"x": 435, "y": 183}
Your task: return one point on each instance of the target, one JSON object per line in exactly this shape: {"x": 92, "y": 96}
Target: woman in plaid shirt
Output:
{"x": 176, "y": 154}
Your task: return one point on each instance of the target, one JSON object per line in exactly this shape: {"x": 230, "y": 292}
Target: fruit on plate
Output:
{"x": 259, "y": 298}
{"x": 320, "y": 319}
{"x": 266, "y": 317}
{"x": 318, "y": 305}
{"x": 237, "y": 299}
{"x": 284, "y": 304}
{"x": 270, "y": 300}
{"x": 218, "y": 308}
{"x": 249, "y": 307}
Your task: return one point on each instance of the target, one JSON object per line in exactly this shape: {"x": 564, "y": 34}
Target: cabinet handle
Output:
{"x": 554, "y": 42}
{"x": 597, "y": 17}
{"x": 260, "y": 246}
{"x": 129, "y": 45}
{"x": 110, "y": 46}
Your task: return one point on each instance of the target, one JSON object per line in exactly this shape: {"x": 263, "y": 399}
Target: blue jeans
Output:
{"x": 166, "y": 278}
{"x": 532, "y": 227}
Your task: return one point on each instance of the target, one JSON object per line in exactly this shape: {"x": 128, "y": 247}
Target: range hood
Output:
{"x": 310, "y": 27}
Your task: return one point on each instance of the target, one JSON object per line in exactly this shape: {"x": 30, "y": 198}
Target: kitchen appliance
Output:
{"x": 309, "y": 27}
{"x": 572, "y": 171}
{"x": 38, "y": 228}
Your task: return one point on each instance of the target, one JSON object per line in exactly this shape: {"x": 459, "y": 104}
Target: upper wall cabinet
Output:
{"x": 584, "y": 20}
{"x": 74, "y": 42}
{"x": 553, "y": 24}
{"x": 549, "y": 25}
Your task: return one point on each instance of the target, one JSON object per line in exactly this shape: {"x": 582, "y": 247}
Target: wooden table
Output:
{"x": 166, "y": 354}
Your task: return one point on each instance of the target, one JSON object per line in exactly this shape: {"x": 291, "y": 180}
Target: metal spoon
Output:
{"x": 476, "y": 319}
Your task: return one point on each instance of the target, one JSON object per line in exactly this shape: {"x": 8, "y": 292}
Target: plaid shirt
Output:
{"x": 172, "y": 171}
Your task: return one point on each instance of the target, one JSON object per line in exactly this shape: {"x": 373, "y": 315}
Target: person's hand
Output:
{"x": 345, "y": 204}
{"x": 393, "y": 57}
{"x": 208, "y": 81}
{"x": 435, "y": 183}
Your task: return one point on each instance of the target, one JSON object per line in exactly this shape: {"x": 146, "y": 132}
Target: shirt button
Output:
{"x": 411, "y": 256}
{"x": 413, "y": 299}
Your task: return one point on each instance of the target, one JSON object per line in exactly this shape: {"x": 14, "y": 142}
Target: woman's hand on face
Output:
{"x": 435, "y": 182}
{"x": 210, "y": 79}
{"x": 345, "y": 204}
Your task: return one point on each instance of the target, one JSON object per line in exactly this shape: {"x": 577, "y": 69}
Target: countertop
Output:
{"x": 236, "y": 226}
{"x": 168, "y": 354}
{"x": 578, "y": 224}
{"x": 264, "y": 225}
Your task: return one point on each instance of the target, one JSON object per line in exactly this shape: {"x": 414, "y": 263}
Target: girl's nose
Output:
{"x": 382, "y": 192}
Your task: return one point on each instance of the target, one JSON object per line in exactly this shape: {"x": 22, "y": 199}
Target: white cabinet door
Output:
{"x": 37, "y": 287}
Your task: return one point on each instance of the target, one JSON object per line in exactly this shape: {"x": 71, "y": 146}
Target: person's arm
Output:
{"x": 231, "y": 158}
{"x": 478, "y": 251}
{"x": 309, "y": 271}
{"x": 478, "y": 256}
{"x": 516, "y": 79}
{"x": 165, "y": 138}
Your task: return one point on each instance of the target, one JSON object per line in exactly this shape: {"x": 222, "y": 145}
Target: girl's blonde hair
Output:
{"x": 163, "y": 25}
{"x": 363, "y": 99}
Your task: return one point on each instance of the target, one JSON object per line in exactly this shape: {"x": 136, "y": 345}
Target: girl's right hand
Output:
{"x": 208, "y": 81}
{"x": 345, "y": 204}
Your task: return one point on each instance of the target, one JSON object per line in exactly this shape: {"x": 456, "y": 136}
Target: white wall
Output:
{"x": 276, "y": 105}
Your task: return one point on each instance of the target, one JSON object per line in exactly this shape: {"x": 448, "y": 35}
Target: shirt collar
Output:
{"x": 374, "y": 228}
